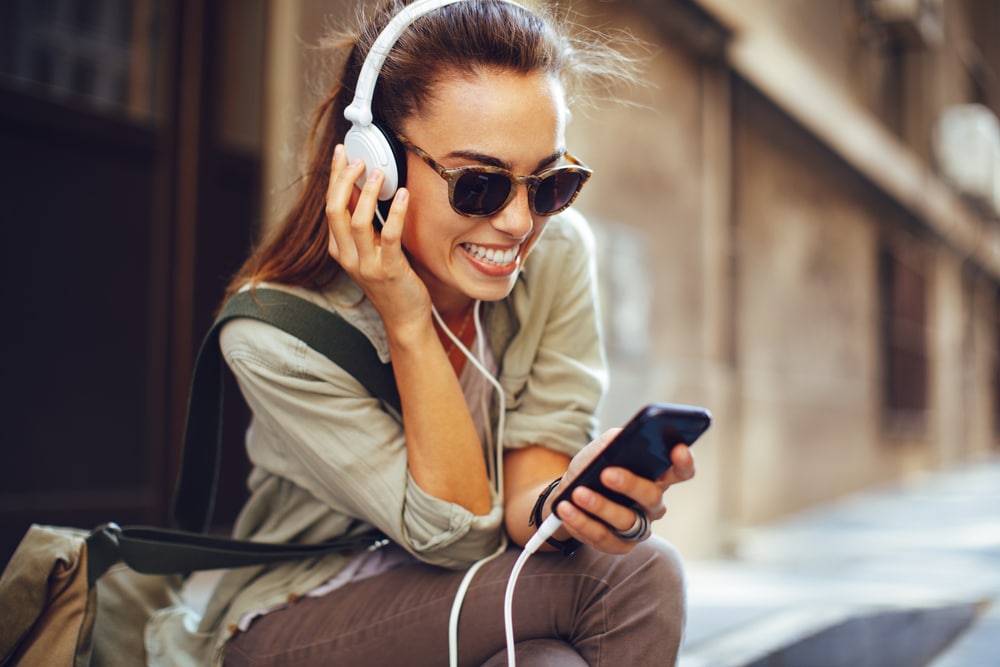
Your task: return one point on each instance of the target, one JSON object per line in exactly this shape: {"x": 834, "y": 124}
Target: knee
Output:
{"x": 667, "y": 562}
{"x": 665, "y": 591}
{"x": 540, "y": 652}
{"x": 665, "y": 567}
{"x": 655, "y": 572}
{"x": 646, "y": 599}
{"x": 655, "y": 563}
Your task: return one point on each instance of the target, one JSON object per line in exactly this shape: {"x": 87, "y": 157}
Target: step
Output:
{"x": 837, "y": 636}
{"x": 978, "y": 646}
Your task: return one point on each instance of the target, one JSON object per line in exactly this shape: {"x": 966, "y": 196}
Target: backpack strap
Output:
{"x": 324, "y": 331}
{"x": 152, "y": 550}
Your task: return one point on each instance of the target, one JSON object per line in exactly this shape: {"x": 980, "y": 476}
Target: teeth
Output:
{"x": 492, "y": 255}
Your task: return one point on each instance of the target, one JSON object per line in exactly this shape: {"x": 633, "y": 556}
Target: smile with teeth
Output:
{"x": 496, "y": 256}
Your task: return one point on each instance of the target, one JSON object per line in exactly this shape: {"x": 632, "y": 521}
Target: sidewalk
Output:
{"x": 898, "y": 577}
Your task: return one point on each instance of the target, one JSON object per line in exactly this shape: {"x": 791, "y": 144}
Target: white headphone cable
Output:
{"x": 378, "y": 214}
{"x": 494, "y": 471}
{"x": 544, "y": 532}
{"x": 494, "y": 464}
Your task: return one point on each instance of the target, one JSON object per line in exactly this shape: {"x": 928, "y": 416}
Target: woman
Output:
{"x": 479, "y": 83}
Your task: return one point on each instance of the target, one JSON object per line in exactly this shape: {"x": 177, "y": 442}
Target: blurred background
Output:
{"x": 797, "y": 220}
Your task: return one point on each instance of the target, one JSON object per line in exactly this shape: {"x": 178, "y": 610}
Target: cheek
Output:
{"x": 421, "y": 236}
{"x": 411, "y": 238}
{"x": 420, "y": 214}
{"x": 431, "y": 226}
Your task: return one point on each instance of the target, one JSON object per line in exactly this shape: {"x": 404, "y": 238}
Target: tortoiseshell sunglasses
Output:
{"x": 479, "y": 191}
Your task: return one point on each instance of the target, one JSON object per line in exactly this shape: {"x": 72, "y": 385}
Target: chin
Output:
{"x": 492, "y": 293}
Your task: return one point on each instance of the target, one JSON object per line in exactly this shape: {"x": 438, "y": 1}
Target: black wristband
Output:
{"x": 567, "y": 547}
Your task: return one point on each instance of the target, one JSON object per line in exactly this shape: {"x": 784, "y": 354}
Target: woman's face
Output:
{"x": 506, "y": 119}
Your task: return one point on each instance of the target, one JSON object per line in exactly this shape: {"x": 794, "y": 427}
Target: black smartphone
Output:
{"x": 643, "y": 446}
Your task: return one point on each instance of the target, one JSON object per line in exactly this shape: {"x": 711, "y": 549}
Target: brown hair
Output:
{"x": 465, "y": 37}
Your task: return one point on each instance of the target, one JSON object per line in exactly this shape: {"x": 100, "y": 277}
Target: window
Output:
{"x": 904, "y": 340}
{"x": 102, "y": 52}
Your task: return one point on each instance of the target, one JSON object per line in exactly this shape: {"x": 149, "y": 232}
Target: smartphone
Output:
{"x": 643, "y": 446}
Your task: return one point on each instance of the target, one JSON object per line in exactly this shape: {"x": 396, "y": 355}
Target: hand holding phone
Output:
{"x": 643, "y": 446}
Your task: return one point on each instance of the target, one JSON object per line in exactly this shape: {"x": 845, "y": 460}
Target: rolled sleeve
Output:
{"x": 434, "y": 525}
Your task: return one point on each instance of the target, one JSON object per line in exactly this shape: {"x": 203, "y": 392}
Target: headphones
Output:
{"x": 377, "y": 147}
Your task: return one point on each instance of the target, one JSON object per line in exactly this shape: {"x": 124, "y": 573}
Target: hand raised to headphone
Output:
{"x": 376, "y": 261}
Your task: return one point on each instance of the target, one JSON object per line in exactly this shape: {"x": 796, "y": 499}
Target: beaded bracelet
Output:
{"x": 567, "y": 547}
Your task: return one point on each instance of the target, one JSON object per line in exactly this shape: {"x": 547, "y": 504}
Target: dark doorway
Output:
{"x": 127, "y": 203}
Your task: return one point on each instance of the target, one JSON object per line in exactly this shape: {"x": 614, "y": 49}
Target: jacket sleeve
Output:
{"x": 554, "y": 371}
{"x": 318, "y": 427}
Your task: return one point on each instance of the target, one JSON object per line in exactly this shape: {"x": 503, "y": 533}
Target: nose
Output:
{"x": 515, "y": 218}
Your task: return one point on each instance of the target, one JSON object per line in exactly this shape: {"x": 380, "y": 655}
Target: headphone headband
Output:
{"x": 359, "y": 112}
{"x": 365, "y": 140}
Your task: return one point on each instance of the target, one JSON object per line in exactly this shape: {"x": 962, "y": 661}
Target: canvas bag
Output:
{"x": 73, "y": 598}
{"x": 50, "y": 605}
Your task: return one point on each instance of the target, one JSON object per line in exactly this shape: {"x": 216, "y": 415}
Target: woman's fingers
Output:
{"x": 350, "y": 212}
{"x": 617, "y": 517}
{"x": 340, "y": 202}
{"x": 682, "y": 468}
{"x": 596, "y": 520}
{"x": 590, "y": 530}
{"x": 593, "y": 518}
{"x": 644, "y": 491}
{"x": 361, "y": 227}
{"x": 376, "y": 261}
{"x": 392, "y": 229}
{"x": 647, "y": 493}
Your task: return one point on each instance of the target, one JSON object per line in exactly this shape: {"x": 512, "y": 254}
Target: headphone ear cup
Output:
{"x": 378, "y": 150}
{"x": 399, "y": 158}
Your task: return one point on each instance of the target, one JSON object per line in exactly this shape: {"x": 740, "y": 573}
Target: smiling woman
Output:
{"x": 478, "y": 286}
{"x": 518, "y": 122}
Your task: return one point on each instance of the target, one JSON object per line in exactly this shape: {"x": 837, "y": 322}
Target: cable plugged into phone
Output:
{"x": 644, "y": 447}
{"x": 544, "y": 532}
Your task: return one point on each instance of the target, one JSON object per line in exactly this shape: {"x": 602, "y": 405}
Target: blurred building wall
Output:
{"x": 777, "y": 241}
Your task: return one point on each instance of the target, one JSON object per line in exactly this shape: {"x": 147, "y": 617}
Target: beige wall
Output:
{"x": 807, "y": 318}
{"x": 650, "y": 160}
{"x": 295, "y": 79}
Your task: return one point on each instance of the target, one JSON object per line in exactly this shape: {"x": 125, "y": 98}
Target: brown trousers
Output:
{"x": 586, "y": 609}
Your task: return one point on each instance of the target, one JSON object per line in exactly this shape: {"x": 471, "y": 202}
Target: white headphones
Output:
{"x": 366, "y": 140}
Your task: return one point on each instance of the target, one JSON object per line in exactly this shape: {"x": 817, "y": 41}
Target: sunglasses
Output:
{"x": 481, "y": 191}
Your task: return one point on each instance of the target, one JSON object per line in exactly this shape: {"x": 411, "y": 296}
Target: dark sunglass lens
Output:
{"x": 480, "y": 193}
{"x": 556, "y": 190}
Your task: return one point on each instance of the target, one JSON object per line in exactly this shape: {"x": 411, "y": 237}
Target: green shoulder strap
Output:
{"x": 320, "y": 329}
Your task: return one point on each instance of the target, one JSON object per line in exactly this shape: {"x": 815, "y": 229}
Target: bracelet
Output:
{"x": 567, "y": 547}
